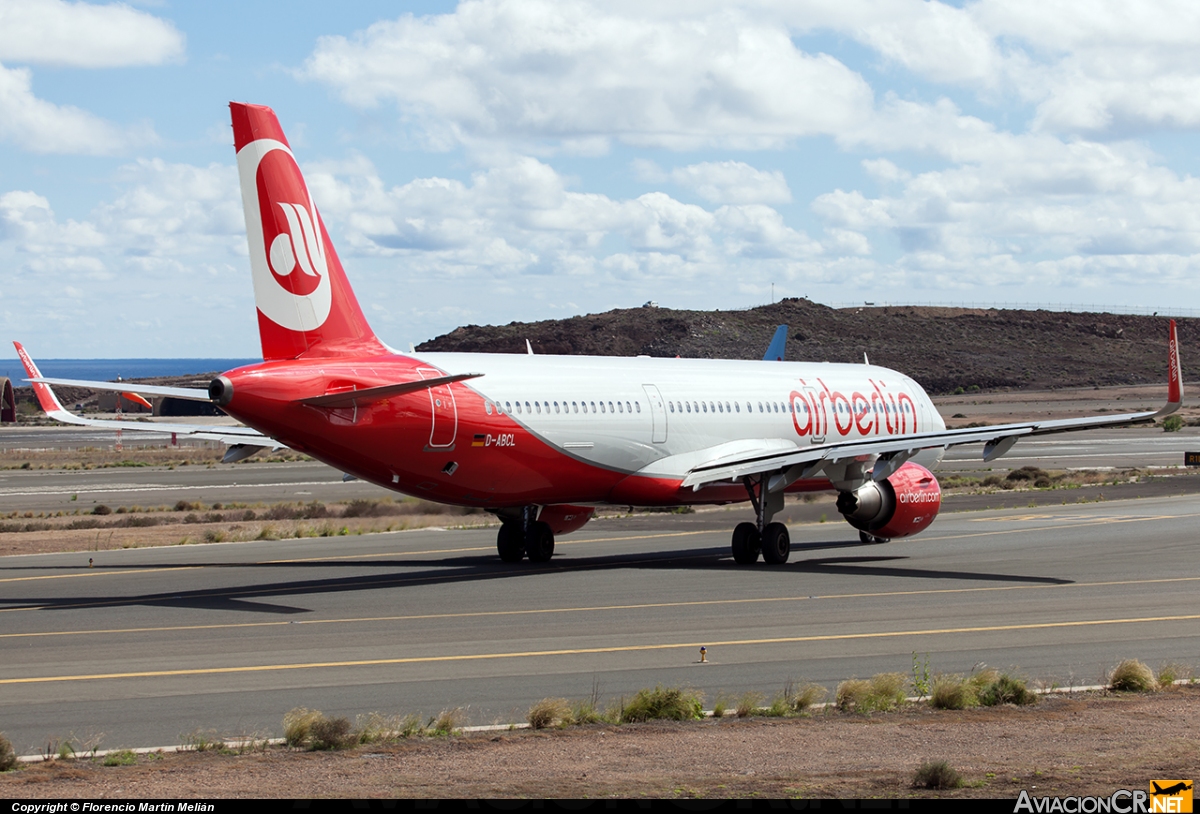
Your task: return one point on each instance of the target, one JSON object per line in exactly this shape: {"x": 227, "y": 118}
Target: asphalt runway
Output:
{"x": 153, "y": 644}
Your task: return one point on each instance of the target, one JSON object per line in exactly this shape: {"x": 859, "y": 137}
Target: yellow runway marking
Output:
{"x": 314, "y": 665}
{"x": 596, "y": 608}
{"x": 91, "y": 572}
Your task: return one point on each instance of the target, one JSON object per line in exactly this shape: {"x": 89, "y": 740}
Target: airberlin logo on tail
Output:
{"x": 299, "y": 246}
{"x": 280, "y": 215}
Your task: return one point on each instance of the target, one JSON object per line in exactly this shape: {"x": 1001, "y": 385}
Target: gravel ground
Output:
{"x": 1078, "y": 744}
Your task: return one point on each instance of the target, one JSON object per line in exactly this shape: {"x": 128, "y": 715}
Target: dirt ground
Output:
{"x": 1077, "y": 744}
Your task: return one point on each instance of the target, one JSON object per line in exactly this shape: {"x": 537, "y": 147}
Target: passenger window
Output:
{"x": 737, "y": 406}
{"x": 672, "y": 405}
{"x": 602, "y": 407}
{"x": 638, "y": 404}
{"x": 487, "y": 405}
{"x": 610, "y": 407}
{"x": 508, "y": 406}
{"x": 584, "y": 403}
{"x": 575, "y": 406}
{"x": 556, "y": 406}
{"x": 760, "y": 409}
{"x": 593, "y": 406}
{"x": 629, "y": 409}
{"x": 539, "y": 407}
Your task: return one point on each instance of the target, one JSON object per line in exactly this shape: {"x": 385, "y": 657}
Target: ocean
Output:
{"x": 110, "y": 369}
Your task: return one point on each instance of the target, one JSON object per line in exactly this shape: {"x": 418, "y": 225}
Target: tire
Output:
{"x": 776, "y": 544}
{"x": 510, "y": 542}
{"x": 539, "y": 544}
{"x": 746, "y": 543}
{"x": 870, "y": 539}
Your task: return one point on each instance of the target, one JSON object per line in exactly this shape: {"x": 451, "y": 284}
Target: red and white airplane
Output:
{"x": 541, "y": 440}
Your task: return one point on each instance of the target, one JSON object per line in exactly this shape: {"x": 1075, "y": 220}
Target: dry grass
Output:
{"x": 882, "y": 693}
{"x": 549, "y": 712}
{"x": 936, "y": 774}
{"x": 189, "y": 523}
{"x": 1132, "y": 675}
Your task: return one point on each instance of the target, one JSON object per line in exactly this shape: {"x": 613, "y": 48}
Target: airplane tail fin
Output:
{"x": 305, "y": 304}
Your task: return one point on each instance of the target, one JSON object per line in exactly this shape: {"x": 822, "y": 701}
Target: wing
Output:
{"x": 790, "y": 465}
{"x": 240, "y": 437}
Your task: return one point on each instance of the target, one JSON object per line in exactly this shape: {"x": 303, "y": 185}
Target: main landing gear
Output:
{"x": 525, "y": 536}
{"x": 769, "y": 539}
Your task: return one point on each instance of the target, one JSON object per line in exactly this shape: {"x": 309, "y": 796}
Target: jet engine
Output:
{"x": 903, "y": 504}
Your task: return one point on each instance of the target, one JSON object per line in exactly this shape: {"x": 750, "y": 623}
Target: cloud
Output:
{"x": 521, "y": 218}
{"x": 733, "y": 182}
{"x": 43, "y": 127}
{"x": 573, "y": 72}
{"x": 82, "y": 35}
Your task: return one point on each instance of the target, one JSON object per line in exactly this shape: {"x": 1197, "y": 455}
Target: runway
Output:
{"x": 153, "y": 644}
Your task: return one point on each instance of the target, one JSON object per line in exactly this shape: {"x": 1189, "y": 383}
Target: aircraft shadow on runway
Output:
{"x": 479, "y": 567}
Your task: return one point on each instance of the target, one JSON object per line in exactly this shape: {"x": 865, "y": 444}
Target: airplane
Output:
{"x": 542, "y": 440}
{"x": 1182, "y": 785}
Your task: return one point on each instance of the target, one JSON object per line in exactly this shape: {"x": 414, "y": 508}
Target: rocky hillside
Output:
{"x": 942, "y": 348}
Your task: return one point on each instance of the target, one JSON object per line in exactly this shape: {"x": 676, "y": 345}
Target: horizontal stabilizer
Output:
{"x": 350, "y": 398}
{"x": 187, "y": 393}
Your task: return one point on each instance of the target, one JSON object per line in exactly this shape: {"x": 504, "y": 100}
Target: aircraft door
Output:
{"x": 658, "y": 413}
{"x": 820, "y": 420}
{"x": 444, "y": 412}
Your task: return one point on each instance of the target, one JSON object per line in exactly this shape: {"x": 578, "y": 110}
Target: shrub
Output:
{"x": 1172, "y": 423}
{"x": 101, "y": 509}
{"x": 670, "y": 703}
{"x": 297, "y": 726}
{"x": 447, "y": 721}
{"x": 122, "y": 757}
{"x": 8, "y": 757}
{"x": 799, "y": 698}
{"x": 936, "y": 774}
{"x": 953, "y": 692}
{"x": 748, "y": 704}
{"x": 882, "y": 693}
{"x": 1028, "y": 473}
{"x": 330, "y": 733}
{"x": 549, "y": 712}
{"x": 1007, "y": 689}
{"x": 1132, "y": 676}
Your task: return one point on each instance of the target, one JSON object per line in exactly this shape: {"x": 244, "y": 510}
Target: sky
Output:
{"x": 491, "y": 161}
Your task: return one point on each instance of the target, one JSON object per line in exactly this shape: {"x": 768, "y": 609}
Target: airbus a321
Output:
{"x": 541, "y": 440}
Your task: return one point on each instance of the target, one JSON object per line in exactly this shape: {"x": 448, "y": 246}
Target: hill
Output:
{"x": 942, "y": 348}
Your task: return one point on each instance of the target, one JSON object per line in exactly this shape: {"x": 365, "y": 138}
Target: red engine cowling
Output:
{"x": 903, "y": 504}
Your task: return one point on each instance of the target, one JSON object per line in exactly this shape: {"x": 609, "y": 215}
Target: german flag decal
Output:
{"x": 479, "y": 439}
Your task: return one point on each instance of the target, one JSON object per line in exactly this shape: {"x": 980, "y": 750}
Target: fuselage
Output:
{"x": 569, "y": 429}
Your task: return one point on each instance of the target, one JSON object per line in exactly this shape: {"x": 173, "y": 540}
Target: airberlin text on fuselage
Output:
{"x": 877, "y": 412}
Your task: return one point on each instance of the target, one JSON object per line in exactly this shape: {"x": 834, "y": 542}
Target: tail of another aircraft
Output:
{"x": 305, "y": 304}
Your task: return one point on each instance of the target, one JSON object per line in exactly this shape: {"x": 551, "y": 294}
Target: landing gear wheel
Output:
{"x": 776, "y": 544}
{"x": 539, "y": 544}
{"x": 510, "y": 542}
{"x": 746, "y": 543}
{"x": 870, "y": 539}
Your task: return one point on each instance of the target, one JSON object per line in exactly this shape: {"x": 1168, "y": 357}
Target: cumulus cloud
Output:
{"x": 53, "y": 32}
{"x": 579, "y": 73}
{"x": 521, "y": 217}
{"x": 733, "y": 182}
{"x": 43, "y": 127}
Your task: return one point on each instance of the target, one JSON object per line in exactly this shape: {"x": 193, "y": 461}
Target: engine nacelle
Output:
{"x": 903, "y": 504}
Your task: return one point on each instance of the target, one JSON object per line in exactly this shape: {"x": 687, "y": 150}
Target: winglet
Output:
{"x": 45, "y": 395}
{"x": 775, "y": 351}
{"x": 1174, "y": 376}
